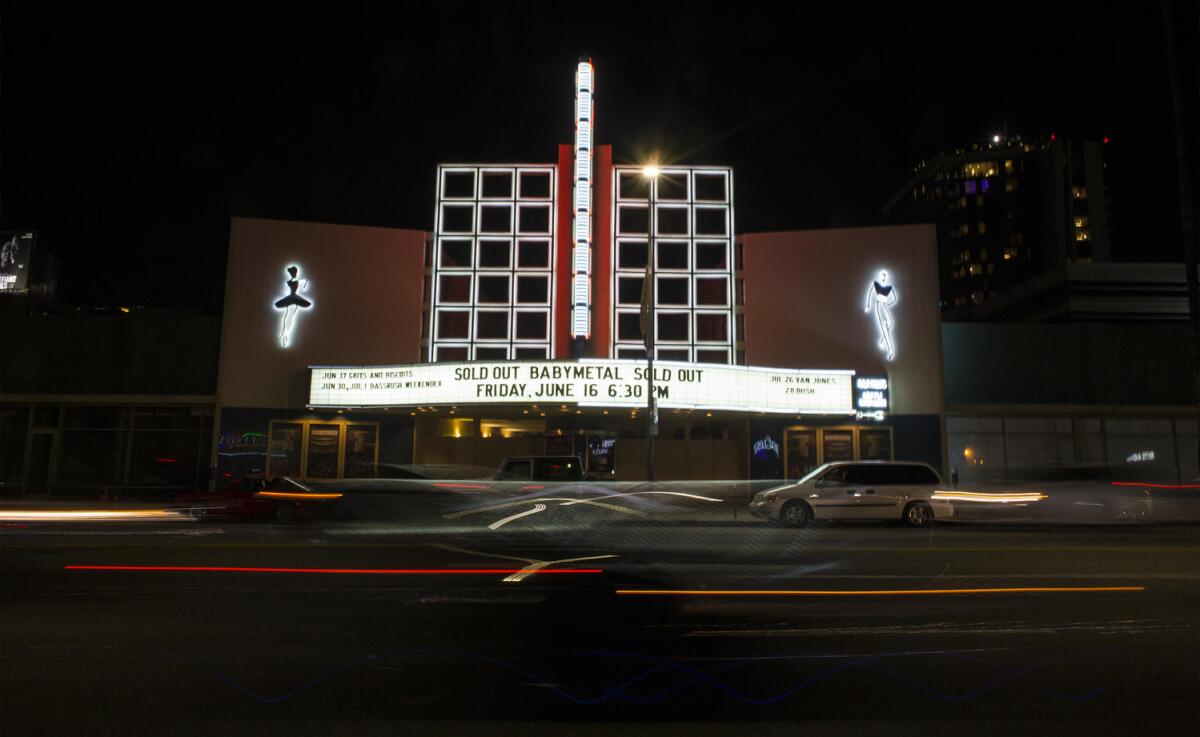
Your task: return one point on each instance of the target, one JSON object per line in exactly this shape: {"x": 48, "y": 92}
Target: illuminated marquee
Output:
{"x": 581, "y": 261}
{"x": 594, "y": 383}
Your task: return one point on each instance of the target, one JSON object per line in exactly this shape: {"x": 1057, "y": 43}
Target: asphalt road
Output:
{"x": 830, "y": 630}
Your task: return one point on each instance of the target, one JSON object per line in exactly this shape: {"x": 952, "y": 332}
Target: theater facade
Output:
{"x": 517, "y": 326}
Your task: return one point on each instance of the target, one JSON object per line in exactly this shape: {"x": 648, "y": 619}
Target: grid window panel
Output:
{"x": 673, "y": 186}
{"x": 631, "y": 255}
{"x": 533, "y": 219}
{"x": 496, "y": 185}
{"x": 458, "y": 184}
{"x": 712, "y": 327}
{"x": 712, "y": 291}
{"x": 454, "y": 289}
{"x": 711, "y": 221}
{"x": 633, "y": 220}
{"x": 709, "y": 186}
{"x": 533, "y": 185}
{"x": 672, "y": 354}
{"x": 491, "y": 325}
{"x": 711, "y": 256}
{"x": 495, "y": 219}
{"x": 629, "y": 290}
{"x": 671, "y": 255}
{"x": 530, "y": 353}
{"x": 453, "y": 324}
{"x": 444, "y": 352}
{"x": 672, "y": 291}
{"x": 697, "y": 313}
{"x": 455, "y": 253}
{"x": 482, "y": 208}
{"x": 533, "y": 290}
{"x": 458, "y": 219}
{"x": 491, "y": 353}
{"x": 673, "y": 327}
{"x": 532, "y": 325}
{"x": 493, "y": 289}
{"x": 671, "y": 221}
{"x": 533, "y": 254}
{"x": 494, "y": 253}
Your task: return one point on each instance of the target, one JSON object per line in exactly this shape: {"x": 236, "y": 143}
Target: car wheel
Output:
{"x": 795, "y": 514}
{"x": 286, "y": 513}
{"x": 918, "y": 514}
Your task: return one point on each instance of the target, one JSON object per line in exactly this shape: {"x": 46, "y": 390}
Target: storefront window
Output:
{"x": 163, "y": 458}
{"x": 362, "y": 442}
{"x": 91, "y": 457}
{"x": 875, "y": 444}
{"x": 286, "y": 438}
{"x": 837, "y": 445}
{"x": 323, "y": 451}
{"x": 801, "y": 452}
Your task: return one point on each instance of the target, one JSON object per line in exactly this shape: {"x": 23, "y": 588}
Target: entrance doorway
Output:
{"x": 39, "y": 461}
{"x": 806, "y": 447}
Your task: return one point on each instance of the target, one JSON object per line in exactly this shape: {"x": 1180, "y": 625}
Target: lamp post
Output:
{"x": 649, "y": 322}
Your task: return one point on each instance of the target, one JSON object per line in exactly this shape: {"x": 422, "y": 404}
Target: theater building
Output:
{"x": 515, "y": 327}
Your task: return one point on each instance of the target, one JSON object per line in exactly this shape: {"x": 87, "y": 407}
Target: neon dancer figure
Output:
{"x": 291, "y": 304}
{"x": 880, "y": 297}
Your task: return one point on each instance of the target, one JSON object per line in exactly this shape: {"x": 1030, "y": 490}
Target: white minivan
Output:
{"x": 857, "y": 490}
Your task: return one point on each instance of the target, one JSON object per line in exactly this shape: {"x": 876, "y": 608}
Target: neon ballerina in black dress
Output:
{"x": 880, "y": 297}
{"x": 291, "y": 304}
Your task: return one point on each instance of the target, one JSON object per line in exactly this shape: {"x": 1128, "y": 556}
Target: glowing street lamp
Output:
{"x": 649, "y": 321}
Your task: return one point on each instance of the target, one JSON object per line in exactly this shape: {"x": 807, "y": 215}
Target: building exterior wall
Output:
{"x": 805, "y": 298}
{"x": 365, "y": 287}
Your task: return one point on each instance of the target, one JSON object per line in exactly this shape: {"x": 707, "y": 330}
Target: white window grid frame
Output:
{"x": 469, "y": 276}
{"x": 727, "y": 274}
{"x": 476, "y": 237}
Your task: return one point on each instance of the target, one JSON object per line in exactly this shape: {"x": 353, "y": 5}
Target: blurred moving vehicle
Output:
{"x": 857, "y": 490}
{"x": 541, "y": 468}
{"x": 253, "y": 498}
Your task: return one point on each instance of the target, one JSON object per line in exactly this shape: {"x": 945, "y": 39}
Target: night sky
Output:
{"x": 130, "y": 137}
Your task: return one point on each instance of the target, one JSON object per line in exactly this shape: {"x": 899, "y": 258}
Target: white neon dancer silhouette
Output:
{"x": 291, "y": 304}
{"x": 881, "y": 296}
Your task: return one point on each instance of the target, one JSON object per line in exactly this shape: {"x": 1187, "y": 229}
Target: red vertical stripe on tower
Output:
{"x": 602, "y": 252}
{"x": 562, "y": 251}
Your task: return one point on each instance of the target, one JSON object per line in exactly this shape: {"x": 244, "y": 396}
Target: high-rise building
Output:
{"x": 1008, "y": 211}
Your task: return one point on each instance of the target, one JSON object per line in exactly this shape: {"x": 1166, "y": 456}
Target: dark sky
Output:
{"x": 129, "y": 137}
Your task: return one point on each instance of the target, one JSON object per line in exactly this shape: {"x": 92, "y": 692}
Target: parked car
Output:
{"x": 857, "y": 490}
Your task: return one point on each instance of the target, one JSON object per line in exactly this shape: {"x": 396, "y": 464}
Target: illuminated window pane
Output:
{"x": 671, "y": 255}
{"x": 456, "y": 254}
{"x": 494, "y": 254}
{"x": 493, "y": 289}
{"x": 531, "y": 326}
{"x": 712, "y": 292}
{"x": 631, "y": 255}
{"x": 533, "y": 254}
{"x": 491, "y": 325}
{"x": 672, "y": 326}
{"x": 453, "y": 325}
{"x": 454, "y": 289}
{"x": 671, "y": 291}
{"x": 629, "y": 290}
{"x": 712, "y": 328}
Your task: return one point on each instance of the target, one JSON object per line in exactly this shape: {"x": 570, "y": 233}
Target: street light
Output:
{"x": 649, "y": 321}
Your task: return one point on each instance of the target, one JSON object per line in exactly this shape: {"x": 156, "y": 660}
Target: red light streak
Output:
{"x": 344, "y": 571}
{"x": 1156, "y": 486}
{"x": 876, "y": 592}
{"x": 165, "y": 460}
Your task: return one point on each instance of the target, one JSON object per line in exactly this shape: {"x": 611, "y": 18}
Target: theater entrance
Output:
{"x": 808, "y": 446}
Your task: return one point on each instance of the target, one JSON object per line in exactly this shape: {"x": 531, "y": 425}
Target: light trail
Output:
{"x": 502, "y": 522}
{"x": 1001, "y": 497}
{"x": 1156, "y": 486}
{"x": 877, "y": 592}
{"x": 298, "y": 495}
{"x": 638, "y": 493}
{"x": 87, "y": 515}
{"x": 346, "y": 571}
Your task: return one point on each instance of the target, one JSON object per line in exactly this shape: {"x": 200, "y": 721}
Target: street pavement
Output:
{"x": 597, "y": 625}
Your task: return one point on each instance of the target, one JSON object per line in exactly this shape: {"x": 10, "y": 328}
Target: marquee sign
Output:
{"x": 585, "y": 383}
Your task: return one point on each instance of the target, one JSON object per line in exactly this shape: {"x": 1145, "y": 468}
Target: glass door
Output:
{"x": 800, "y": 451}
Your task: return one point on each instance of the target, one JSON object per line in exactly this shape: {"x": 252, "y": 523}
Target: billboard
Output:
{"x": 586, "y": 383}
{"x": 16, "y": 249}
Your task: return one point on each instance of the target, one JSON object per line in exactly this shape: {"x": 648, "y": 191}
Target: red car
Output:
{"x": 253, "y": 498}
